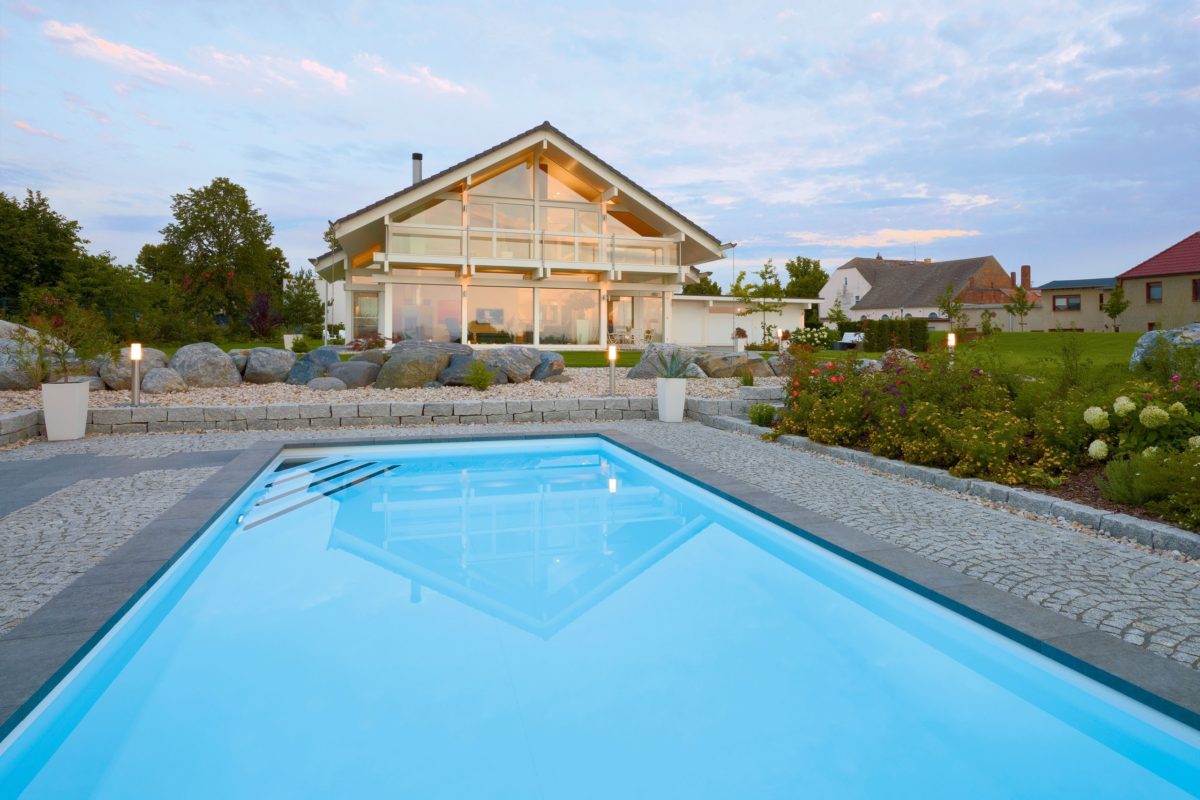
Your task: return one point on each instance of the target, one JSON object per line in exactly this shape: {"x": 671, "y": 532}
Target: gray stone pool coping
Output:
{"x": 44, "y": 647}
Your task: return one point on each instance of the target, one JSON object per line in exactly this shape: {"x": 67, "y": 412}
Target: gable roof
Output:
{"x": 545, "y": 127}
{"x": 1178, "y": 259}
{"x": 1079, "y": 283}
{"x": 912, "y": 284}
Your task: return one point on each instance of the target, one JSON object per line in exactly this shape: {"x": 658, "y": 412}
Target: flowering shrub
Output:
{"x": 816, "y": 338}
{"x": 1098, "y": 450}
{"x": 1097, "y": 417}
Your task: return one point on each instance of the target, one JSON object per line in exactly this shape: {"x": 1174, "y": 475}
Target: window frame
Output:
{"x": 1067, "y": 306}
{"x": 1196, "y": 290}
{"x": 1149, "y": 286}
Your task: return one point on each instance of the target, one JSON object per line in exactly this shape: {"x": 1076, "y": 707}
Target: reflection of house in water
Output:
{"x": 532, "y": 541}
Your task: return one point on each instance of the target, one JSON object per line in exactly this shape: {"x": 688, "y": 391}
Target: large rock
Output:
{"x": 117, "y": 373}
{"x": 693, "y": 371}
{"x": 1147, "y": 345}
{"x": 312, "y": 364}
{"x": 723, "y": 364}
{"x": 240, "y": 356}
{"x": 326, "y": 385}
{"x": 163, "y": 380}
{"x": 204, "y": 365}
{"x": 455, "y": 373}
{"x": 268, "y": 365}
{"x": 647, "y": 366}
{"x": 551, "y": 364}
{"x": 13, "y": 374}
{"x": 515, "y": 361}
{"x": 354, "y": 374}
{"x": 758, "y": 366}
{"x": 376, "y": 357}
{"x": 412, "y": 364}
{"x": 782, "y": 364}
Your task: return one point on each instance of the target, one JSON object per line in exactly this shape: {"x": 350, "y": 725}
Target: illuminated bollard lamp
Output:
{"x": 135, "y": 360}
{"x": 612, "y": 370}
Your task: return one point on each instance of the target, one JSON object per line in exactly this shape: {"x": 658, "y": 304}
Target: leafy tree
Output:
{"x": 706, "y": 286}
{"x": 37, "y": 244}
{"x": 262, "y": 318}
{"x": 836, "y": 315}
{"x": 1115, "y": 305}
{"x": 762, "y": 297}
{"x": 219, "y": 249}
{"x": 950, "y": 306}
{"x": 302, "y": 306}
{"x": 1020, "y": 306}
{"x": 806, "y": 279}
{"x": 67, "y": 331}
{"x": 986, "y": 325}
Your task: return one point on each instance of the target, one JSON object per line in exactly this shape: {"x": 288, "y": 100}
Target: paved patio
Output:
{"x": 67, "y": 505}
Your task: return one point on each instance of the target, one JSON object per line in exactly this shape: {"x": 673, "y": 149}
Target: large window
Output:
{"x": 366, "y": 314}
{"x": 569, "y": 316}
{"x": 513, "y": 182}
{"x": 499, "y": 315}
{"x": 427, "y": 312}
{"x": 1067, "y": 302}
{"x": 1154, "y": 292}
{"x": 434, "y": 212}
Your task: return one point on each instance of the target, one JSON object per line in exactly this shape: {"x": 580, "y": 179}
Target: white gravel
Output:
{"x": 584, "y": 382}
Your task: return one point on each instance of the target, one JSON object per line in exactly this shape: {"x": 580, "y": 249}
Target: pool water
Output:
{"x": 558, "y": 618}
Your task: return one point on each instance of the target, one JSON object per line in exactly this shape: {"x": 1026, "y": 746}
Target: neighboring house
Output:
{"x": 879, "y": 288}
{"x": 1164, "y": 290}
{"x": 534, "y": 241}
{"x": 1073, "y": 305}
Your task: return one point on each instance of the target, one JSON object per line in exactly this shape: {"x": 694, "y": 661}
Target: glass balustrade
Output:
{"x": 500, "y": 243}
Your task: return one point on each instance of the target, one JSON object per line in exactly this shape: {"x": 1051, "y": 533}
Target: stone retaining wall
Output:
{"x": 19, "y": 425}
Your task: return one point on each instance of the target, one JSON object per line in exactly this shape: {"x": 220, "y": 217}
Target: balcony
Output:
{"x": 502, "y": 244}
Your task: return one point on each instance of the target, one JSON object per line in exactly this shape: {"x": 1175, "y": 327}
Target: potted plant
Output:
{"x": 672, "y": 386}
{"x": 67, "y": 333}
{"x": 739, "y": 339}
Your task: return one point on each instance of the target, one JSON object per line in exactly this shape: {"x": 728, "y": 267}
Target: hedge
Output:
{"x": 883, "y": 334}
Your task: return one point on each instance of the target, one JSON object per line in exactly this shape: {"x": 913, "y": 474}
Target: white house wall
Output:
{"x": 694, "y": 324}
{"x": 847, "y": 285}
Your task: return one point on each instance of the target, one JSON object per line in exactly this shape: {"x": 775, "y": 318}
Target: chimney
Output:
{"x": 1012, "y": 276}
{"x": 416, "y": 168}
{"x": 1025, "y": 277}
{"x": 929, "y": 261}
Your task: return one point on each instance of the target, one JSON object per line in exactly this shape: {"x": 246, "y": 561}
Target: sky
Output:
{"x": 1065, "y": 135}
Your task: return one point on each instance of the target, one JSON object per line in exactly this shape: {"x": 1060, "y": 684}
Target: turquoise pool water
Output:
{"x": 558, "y": 619}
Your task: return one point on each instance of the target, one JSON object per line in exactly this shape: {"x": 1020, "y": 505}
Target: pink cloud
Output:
{"x": 32, "y": 131}
{"x": 886, "y": 237}
{"x": 338, "y": 80}
{"x": 77, "y": 103}
{"x": 421, "y": 77}
{"x": 280, "y": 71}
{"x": 142, "y": 63}
{"x": 26, "y": 10}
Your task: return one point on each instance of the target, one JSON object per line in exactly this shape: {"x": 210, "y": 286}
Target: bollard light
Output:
{"x": 612, "y": 370}
{"x": 779, "y": 334}
{"x": 612, "y": 485}
{"x": 135, "y": 379}
{"x": 951, "y": 341}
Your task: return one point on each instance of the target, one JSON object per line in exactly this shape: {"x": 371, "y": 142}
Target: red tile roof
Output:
{"x": 1177, "y": 259}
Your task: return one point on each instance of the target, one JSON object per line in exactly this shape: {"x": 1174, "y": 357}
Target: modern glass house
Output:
{"x": 535, "y": 241}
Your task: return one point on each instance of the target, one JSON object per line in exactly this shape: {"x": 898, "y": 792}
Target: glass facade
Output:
{"x": 365, "y": 320}
{"x": 635, "y": 320}
{"x": 569, "y": 316}
{"x": 427, "y": 312}
{"x": 499, "y": 315}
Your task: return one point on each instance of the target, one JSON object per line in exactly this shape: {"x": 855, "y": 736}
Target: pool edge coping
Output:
{"x": 1153, "y": 680}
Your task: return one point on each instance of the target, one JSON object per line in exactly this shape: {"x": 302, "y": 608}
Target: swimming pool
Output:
{"x": 557, "y": 618}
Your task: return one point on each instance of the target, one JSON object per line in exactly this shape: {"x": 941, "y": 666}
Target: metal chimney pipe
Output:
{"x": 416, "y": 159}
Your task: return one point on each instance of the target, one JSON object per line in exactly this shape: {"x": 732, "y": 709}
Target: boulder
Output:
{"x": 431, "y": 385}
{"x": 325, "y": 384}
{"x": 12, "y": 370}
{"x": 312, "y": 364}
{"x": 9, "y": 330}
{"x": 163, "y": 380}
{"x": 558, "y": 379}
{"x": 455, "y": 374}
{"x": 647, "y": 366}
{"x": 1187, "y": 336}
{"x": 239, "y": 357}
{"x": 758, "y": 366}
{"x": 693, "y": 371}
{"x": 93, "y": 381}
{"x": 203, "y": 365}
{"x": 117, "y": 373}
{"x": 781, "y": 364}
{"x": 354, "y": 374}
{"x": 376, "y": 357}
{"x": 515, "y": 361}
{"x": 268, "y": 365}
{"x": 551, "y": 364}
{"x": 413, "y": 363}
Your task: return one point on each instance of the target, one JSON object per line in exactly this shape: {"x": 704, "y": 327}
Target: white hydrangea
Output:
{"x": 1194, "y": 442}
{"x": 1153, "y": 417}
{"x": 1098, "y": 450}
{"x": 1123, "y": 405}
{"x": 1177, "y": 409}
{"x": 1149, "y": 451}
{"x": 1097, "y": 417}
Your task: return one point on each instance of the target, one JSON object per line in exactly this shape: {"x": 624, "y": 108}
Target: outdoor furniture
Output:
{"x": 849, "y": 341}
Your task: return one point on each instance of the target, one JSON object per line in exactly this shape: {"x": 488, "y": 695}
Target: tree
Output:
{"x": 706, "y": 286}
{"x": 219, "y": 248}
{"x": 762, "y": 297}
{"x": 1020, "y": 306}
{"x": 836, "y": 316}
{"x": 950, "y": 306}
{"x": 302, "y": 306}
{"x": 330, "y": 237}
{"x": 806, "y": 279}
{"x": 261, "y": 317}
{"x": 1115, "y": 305}
{"x": 986, "y": 326}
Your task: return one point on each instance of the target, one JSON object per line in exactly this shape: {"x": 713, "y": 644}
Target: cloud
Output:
{"x": 421, "y": 77}
{"x": 32, "y": 131}
{"x": 281, "y": 71}
{"x": 338, "y": 80}
{"x": 966, "y": 202}
{"x": 26, "y": 10}
{"x": 77, "y": 103}
{"x": 885, "y": 237}
{"x": 142, "y": 63}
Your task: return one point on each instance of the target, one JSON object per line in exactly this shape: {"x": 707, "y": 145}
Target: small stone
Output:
{"x": 325, "y": 384}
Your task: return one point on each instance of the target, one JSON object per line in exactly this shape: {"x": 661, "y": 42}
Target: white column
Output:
{"x": 537, "y": 313}
{"x": 385, "y": 322}
{"x": 464, "y": 335}
{"x": 666, "y": 304}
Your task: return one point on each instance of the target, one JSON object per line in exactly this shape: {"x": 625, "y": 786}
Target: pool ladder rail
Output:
{"x": 298, "y": 486}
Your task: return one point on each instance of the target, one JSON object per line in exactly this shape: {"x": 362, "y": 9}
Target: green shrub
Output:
{"x": 883, "y": 334}
{"x": 301, "y": 346}
{"x": 761, "y": 414}
{"x": 747, "y": 379}
{"x": 479, "y": 377}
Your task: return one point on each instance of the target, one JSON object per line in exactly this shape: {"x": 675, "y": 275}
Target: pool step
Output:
{"x": 310, "y": 467}
{"x": 296, "y": 494}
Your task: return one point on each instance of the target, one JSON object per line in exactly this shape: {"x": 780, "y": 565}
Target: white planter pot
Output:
{"x": 65, "y": 406}
{"x": 289, "y": 339}
{"x": 739, "y": 345}
{"x": 671, "y": 394}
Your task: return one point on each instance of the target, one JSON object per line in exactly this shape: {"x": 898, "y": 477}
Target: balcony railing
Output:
{"x": 505, "y": 244}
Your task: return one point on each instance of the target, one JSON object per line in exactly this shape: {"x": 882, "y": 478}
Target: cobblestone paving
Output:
{"x": 1145, "y": 598}
{"x": 46, "y": 545}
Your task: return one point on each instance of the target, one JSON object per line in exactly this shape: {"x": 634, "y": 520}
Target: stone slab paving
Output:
{"x": 1146, "y": 598}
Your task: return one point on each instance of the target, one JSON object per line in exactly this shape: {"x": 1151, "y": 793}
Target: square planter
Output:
{"x": 671, "y": 395}
{"x": 65, "y": 407}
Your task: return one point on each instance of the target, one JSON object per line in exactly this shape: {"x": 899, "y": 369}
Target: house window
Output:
{"x": 427, "y": 312}
{"x": 499, "y": 315}
{"x": 1154, "y": 292}
{"x": 569, "y": 316}
{"x": 1101, "y": 301}
{"x": 1067, "y": 302}
{"x": 1196, "y": 290}
{"x": 933, "y": 315}
{"x": 366, "y": 314}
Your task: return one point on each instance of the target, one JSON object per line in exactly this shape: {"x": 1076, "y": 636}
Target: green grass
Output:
{"x": 592, "y": 358}
{"x": 170, "y": 349}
